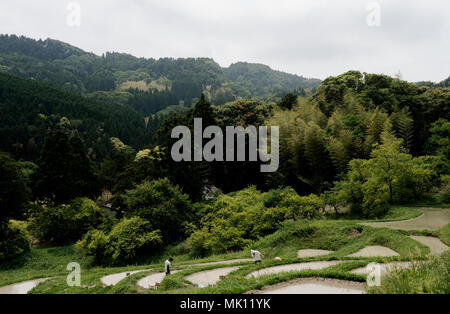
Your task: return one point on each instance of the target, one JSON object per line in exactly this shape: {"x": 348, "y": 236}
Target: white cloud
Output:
{"x": 314, "y": 38}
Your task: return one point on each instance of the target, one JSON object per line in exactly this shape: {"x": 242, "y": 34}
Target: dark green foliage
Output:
{"x": 64, "y": 224}
{"x": 127, "y": 240}
{"x": 28, "y": 108}
{"x": 403, "y": 127}
{"x": 288, "y": 101}
{"x": 163, "y": 205}
{"x": 258, "y": 80}
{"x": 184, "y": 79}
{"x": 64, "y": 169}
{"x": 439, "y": 141}
{"x": 13, "y": 190}
{"x": 203, "y": 110}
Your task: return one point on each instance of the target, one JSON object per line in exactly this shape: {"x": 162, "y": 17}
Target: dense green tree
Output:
{"x": 390, "y": 176}
{"x": 203, "y": 110}
{"x": 288, "y": 101}
{"x": 439, "y": 142}
{"x": 128, "y": 239}
{"x": 65, "y": 224}
{"x": 64, "y": 171}
{"x": 163, "y": 205}
{"x": 13, "y": 190}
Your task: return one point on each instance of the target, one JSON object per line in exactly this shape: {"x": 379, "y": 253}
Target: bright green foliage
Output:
{"x": 65, "y": 224}
{"x": 131, "y": 236}
{"x": 127, "y": 240}
{"x": 243, "y": 112}
{"x": 95, "y": 243}
{"x": 217, "y": 239}
{"x": 163, "y": 205}
{"x": 132, "y": 169}
{"x": 15, "y": 240}
{"x": 444, "y": 190}
{"x": 234, "y": 220}
{"x": 303, "y": 207}
{"x": 389, "y": 176}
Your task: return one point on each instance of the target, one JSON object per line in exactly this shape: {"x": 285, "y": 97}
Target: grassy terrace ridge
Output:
{"x": 343, "y": 236}
{"x": 395, "y": 213}
{"x": 433, "y": 277}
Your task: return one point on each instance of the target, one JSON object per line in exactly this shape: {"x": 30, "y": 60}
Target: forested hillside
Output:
{"x": 29, "y": 107}
{"x": 259, "y": 79}
{"x": 149, "y": 85}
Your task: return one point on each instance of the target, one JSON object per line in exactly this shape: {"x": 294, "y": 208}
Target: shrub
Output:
{"x": 233, "y": 221}
{"x": 130, "y": 237}
{"x": 94, "y": 243}
{"x": 444, "y": 190}
{"x": 273, "y": 197}
{"x": 127, "y": 240}
{"x": 67, "y": 223}
{"x": 15, "y": 240}
{"x": 197, "y": 243}
{"x": 163, "y": 205}
{"x": 169, "y": 283}
{"x": 303, "y": 207}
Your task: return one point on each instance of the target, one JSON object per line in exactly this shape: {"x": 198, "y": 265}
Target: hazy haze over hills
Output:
{"x": 312, "y": 38}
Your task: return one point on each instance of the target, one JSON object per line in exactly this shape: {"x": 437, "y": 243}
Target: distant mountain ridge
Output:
{"x": 150, "y": 84}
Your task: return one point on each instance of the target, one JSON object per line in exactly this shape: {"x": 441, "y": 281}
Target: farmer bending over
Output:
{"x": 256, "y": 255}
{"x": 167, "y": 265}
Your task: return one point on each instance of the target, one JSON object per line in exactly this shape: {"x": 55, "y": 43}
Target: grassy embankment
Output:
{"x": 342, "y": 236}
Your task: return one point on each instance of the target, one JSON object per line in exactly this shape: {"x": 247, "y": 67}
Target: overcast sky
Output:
{"x": 313, "y": 38}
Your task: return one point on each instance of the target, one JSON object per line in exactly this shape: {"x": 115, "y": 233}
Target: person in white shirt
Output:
{"x": 167, "y": 265}
{"x": 256, "y": 255}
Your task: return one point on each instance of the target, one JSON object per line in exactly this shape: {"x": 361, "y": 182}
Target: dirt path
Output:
{"x": 293, "y": 267}
{"x": 431, "y": 219}
{"x": 313, "y": 286}
{"x": 21, "y": 287}
{"x": 209, "y": 277}
{"x": 436, "y": 246}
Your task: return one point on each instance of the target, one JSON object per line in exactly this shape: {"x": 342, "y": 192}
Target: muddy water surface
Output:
{"x": 21, "y": 287}
{"x": 313, "y": 286}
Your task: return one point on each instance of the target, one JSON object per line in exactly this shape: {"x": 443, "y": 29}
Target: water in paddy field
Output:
{"x": 21, "y": 287}
{"x": 316, "y": 287}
